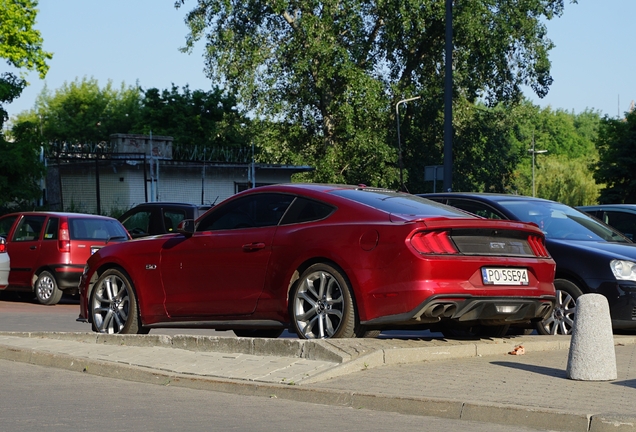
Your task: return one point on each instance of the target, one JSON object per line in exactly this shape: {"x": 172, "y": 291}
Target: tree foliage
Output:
{"x": 195, "y": 119}
{"x": 330, "y": 72}
{"x": 83, "y": 112}
{"x": 21, "y": 48}
{"x": 615, "y": 169}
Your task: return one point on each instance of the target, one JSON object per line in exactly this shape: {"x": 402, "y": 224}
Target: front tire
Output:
{"x": 561, "y": 321}
{"x": 46, "y": 289}
{"x": 113, "y": 305}
{"x": 321, "y": 304}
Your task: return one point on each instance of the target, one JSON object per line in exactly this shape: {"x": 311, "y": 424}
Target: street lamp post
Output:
{"x": 534, "y": 152}
{"x": 397, "y": 117}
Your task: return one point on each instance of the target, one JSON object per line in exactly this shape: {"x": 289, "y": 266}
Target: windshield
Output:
{"x": 559, "y": 221}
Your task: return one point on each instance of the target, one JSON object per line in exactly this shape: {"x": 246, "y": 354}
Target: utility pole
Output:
{"x": 534, "y": 152}
{"x": 397, "y": 117}
{"x": 448, "y": 100}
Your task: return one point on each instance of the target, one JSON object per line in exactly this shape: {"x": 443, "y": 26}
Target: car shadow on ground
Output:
{"x": 548, "y": 371}
{"x": 26, "y": 297}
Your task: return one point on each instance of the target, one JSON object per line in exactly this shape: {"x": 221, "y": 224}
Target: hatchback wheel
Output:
{"x": 322, "y": 305}
{"x": 113, "y": 305}
{"x": 561, "y": 320}
{"x": 46, "y": 289}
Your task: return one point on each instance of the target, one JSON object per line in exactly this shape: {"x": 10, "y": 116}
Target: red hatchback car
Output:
{"x": 48, "y": 250}
{"x": 324, "y": 261}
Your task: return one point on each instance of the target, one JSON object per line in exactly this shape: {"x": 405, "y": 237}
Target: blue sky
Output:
{"x": 137, "y": 41}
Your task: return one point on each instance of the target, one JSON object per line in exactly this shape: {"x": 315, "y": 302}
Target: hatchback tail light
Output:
{"x": 63, "y": 238}
{"x": 3, "y": 245}
{"x": 433, "y": 242}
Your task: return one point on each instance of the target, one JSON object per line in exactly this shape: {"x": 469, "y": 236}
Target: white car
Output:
{"x": 4, "y": 264}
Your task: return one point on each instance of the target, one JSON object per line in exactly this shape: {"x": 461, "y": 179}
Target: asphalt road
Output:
{"x": 20, "y": 315}
{"x": 40, "y": 398}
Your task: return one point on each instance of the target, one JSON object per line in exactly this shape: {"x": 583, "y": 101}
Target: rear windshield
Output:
{"x": 399, "y": 203}
{"x": 96, "y": 229}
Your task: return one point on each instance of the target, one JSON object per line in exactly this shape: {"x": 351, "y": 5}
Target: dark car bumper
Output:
{"x": 468, "y": 309}
{"x": 621, "y": 297}
{"x": 68, "y": 277}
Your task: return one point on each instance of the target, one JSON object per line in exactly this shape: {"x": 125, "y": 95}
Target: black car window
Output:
{"x": 51, "y": 228}
{"x": 306, "y": 210}
{"x": 171, "y": 219}
{"x": 256, "y": 210}
{"x": 474, "y": 207}
{"x": 29, "y": 228}
{"x": 138, "y": 223}
{"x": 398, "y": 203}
{"x": 5, "y": 225}
{"x": 622, "y": 221}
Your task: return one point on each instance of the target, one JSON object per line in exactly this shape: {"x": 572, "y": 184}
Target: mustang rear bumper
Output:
{"x": 467, "y": 309}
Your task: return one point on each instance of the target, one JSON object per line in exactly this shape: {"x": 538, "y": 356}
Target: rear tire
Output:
{"x": 321, "y": 304}
{"x": 561, "y": 320}
{"x": 113, "y": 305}
{"x": 46, "y": 289}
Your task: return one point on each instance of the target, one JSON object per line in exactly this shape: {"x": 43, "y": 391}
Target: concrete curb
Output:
{"x": 512, "y": 415}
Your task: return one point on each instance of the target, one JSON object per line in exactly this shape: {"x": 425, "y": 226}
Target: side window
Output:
{"x": 624, "y": 222}
{"x": 476, "y": 208}
{"x": 138, "y": 223}
{"x": 171, "y": 219}
{"x": 6, "y": 224}
{"x": 305, "y": 210}
{"x": 51, "y": 228}
{"x": 258, "y": 210}
{"x": 29, "y": 228}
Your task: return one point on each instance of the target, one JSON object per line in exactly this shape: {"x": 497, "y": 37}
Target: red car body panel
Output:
{"x": 246, "y": 274}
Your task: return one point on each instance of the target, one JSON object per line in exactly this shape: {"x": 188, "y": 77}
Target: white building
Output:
{"x": 132, "y": 169}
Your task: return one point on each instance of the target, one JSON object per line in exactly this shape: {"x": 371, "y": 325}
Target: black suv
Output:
{"x": 156, "y": 218}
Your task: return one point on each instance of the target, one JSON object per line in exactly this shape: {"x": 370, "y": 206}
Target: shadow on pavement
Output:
{"x": 548, "y": 371}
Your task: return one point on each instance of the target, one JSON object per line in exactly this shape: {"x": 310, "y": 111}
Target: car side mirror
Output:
{"x": 186, "y": 227}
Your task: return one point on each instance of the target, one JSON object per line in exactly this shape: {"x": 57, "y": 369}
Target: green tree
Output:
{"x": 82, "y": 112}
{"x": 197, "y": 120}
{"x": 564, "y": 173}
{"x": 616, "y": 145}
{"x": 330, "y": 72}
{"x": 21, "y": 47}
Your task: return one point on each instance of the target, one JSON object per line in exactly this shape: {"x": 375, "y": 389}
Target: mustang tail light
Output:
{"x": 538, "y": 246}
{"x": 433, "y": 242}
{"x": 63, "y": 238}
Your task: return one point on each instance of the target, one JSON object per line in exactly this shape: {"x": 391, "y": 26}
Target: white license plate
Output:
{"x": 504, "y": 276}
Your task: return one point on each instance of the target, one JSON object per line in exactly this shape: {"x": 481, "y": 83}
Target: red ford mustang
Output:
{"x": 324, "y": 261}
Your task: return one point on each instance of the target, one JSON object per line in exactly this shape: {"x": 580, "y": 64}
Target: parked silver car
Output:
{"x": 4, "y": 264}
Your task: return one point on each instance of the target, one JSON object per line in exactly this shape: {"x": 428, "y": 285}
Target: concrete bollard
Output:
{"x": 592, "y": 355}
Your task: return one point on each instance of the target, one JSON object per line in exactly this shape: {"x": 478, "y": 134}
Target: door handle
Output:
{"x": 33, "y": 247}
{"x": 253, "y": 246}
